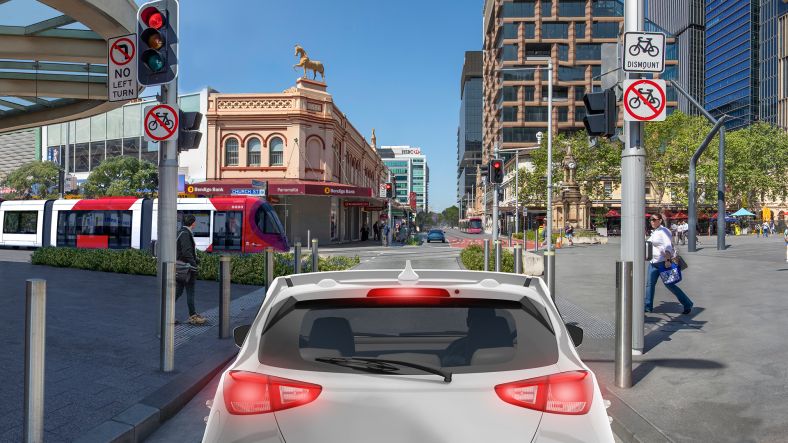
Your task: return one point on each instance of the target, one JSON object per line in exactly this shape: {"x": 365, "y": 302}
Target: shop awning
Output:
{"x": 278, "y": 187}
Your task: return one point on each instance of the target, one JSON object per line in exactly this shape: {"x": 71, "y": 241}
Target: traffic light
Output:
{"x": 496, "y": 171}
{"x": 389, "y": 190}
{"x": 157, "y": 42}
{"x": 601, "y": 113}
{"x": 189, "y": 134}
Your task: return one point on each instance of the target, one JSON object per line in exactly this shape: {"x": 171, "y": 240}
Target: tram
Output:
{"x": 471, "y": 225}
{"x": 231, "y": 224}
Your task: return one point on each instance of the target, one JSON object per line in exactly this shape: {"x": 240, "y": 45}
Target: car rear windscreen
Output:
{"x": 461, "y": 335}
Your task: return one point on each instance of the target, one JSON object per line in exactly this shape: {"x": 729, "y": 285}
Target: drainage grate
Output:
{"x": 238, "y": 307}
{"x": 593, "y": 326}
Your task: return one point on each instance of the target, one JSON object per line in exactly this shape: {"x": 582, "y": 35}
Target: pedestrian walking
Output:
{"x": 765, "y": 229}
{"x": 674, "y": 231}
{"x": 663, "y": 253}
{"x": 365, "y": 232}
{"x": 683, "y": 228}
{"x": 386, "y": 231}
{"x": 376, "y": 230}
{"x": 785, "y": 237}
{"x": 187, "y": 259}
{"x": 570, "y": 233}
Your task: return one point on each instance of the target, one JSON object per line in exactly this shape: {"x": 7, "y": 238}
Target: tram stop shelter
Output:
{"x": 53, "y": 58}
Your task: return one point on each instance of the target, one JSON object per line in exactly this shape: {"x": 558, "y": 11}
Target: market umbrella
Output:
{"x": 612, "y": 213}
{"x": 742, "y": 213}
{"x": 680, "y": 216}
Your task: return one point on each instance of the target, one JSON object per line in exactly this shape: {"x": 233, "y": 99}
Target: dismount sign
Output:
{"x": 644, "y": 52}
{"x": 161, "y": 123}
{"x": 122, "y": 74}
{"x": 644, "y": 100}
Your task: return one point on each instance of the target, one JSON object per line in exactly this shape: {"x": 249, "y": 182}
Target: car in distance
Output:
{"x": 436, "y": 235}
{"x": 410, "y": 356}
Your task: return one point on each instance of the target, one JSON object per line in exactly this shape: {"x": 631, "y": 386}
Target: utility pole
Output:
{"x": 633, "y": 199}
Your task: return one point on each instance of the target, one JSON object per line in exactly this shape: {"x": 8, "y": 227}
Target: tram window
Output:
{"x": 114, "y": 225}
{"x": 203, "y": 226}
{"x": 20, "y": 222}
{"x": 267, "y": 221}
{"x": 227, "y": 228}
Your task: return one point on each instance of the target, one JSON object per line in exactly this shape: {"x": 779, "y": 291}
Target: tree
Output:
{"x": 451, "y": 216}
{"x": 34, "y": 180}
{"x": 122, "y": 176}
{"x": 756, "y": 164}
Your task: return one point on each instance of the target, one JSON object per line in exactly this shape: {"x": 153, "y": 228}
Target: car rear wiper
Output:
{"x": 380, "y": 365}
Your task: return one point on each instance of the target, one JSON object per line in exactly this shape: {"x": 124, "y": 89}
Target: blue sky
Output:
{"x": 391, "y": 65}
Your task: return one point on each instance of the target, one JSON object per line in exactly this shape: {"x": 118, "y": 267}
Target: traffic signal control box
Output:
{"x": 601, "y": 113}
{"x": 157, "y": 42}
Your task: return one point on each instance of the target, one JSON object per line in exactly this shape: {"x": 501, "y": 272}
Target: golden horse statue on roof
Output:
{"x": 306, "y": 63}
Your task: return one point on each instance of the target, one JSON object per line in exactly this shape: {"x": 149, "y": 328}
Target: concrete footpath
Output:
{"x": 719, "y": 374}
{"x": 102, "y": 380}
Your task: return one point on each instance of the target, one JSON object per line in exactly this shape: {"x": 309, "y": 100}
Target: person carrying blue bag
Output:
{"x": 662, "y": 263}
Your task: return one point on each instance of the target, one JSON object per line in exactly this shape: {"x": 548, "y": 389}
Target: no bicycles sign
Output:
{"x": 160, "y": 123}
{"x": 644, "y": 100}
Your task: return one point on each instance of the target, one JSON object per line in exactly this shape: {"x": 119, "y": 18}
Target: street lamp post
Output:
{"x": 549, "y": 252}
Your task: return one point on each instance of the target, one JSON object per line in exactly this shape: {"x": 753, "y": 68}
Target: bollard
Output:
{"x": 497, "y": 256}
{"x": 518, "y": 259}
{"x": 623, "y": 324}
{"x": 309, "y": 236}
{"x": 167, "y": 343}
{"x": 315, "y": 257}
{"x": 224, "y": 296}
{"x": 297, "y": 258}
{"x": 486, "y": 254}
{"x": 269, "y": 267}
{"x": 35, "y": 352}
{"x": 549, "y": 271}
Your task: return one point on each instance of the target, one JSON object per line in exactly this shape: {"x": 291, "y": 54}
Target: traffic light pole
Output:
{"x": 167, "y": 222}
{"x": 549, "y": 252}
{"x": 495, "y": 209}
{"x": 633, "y": 199}
{"x": 389, "y": 235}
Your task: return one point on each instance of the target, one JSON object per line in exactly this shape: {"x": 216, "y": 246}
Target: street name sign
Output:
{"x": 644, "y": 100}
{"x": 160, "y": 123}
{"x": 644, "y": 52}
{"x": 122, "y": 69}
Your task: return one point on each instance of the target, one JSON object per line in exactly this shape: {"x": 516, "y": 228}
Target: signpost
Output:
{"x": 382, "y": 191}
{"x": 644, "y": 52}
{"x": 161, "y": 123}
{"x": 122, "y": 73}
{"x": 644, "y": 100}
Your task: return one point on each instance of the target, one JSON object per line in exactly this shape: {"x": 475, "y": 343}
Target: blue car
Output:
{"x": 436, "y": 235}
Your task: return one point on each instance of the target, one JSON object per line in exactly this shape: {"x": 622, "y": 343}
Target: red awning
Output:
{"x": 279, "y": 187}
{"x": 612, "y": 213}
{"x": 680, "y": 216}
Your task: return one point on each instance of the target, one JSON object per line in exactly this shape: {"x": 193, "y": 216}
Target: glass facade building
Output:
{"x": 410, "y": 171}
{"x": 768, "y": 55}
{"x": 469, "y": 133}
{"x": 732, "y": 68}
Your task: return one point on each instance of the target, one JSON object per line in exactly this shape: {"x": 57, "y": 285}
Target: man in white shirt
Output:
{"x": 662, "y": 252}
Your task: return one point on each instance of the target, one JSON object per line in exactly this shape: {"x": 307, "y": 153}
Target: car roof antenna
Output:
{"x": 408, "y": 276}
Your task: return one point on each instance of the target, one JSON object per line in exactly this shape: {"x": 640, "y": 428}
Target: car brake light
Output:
{"x": 247, "y": 393}
{"x": 567, "y": 393}
{"x": 408, "y": 292}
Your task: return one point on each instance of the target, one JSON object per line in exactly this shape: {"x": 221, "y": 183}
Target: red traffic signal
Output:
{"x": 389, "y": 190}
{"x": 157, "y": 42}
{"x": 152, "y": 17}
{"x": 496, "y": 171}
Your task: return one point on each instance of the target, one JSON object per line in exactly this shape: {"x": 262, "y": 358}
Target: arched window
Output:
{"x": 253, "y": 152}
{"x": 231, "y": 152}
{"x": 277, "y": 151}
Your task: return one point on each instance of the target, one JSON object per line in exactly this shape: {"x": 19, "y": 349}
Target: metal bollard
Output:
{"x": 550, "y": 271}
{"x": 497, "y": 256}
{"x": 167, "y": 343}
{"x": 315, "y": 257}
{"x": 309, "y": 236}
{"x": 624, "y": 324}
{"x": 269, "y": 267}
{"x": 297, "y": 258}
{"x": 224, "y": 296}
{"x": 35, "y": 352}
{"x": 486, "y": 254}
{"x": 518, "y": 259}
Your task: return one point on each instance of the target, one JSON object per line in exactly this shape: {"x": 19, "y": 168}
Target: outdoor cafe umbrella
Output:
{"x": 742, "y": 213}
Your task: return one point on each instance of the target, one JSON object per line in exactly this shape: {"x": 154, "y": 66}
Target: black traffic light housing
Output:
{"x": 189, "y": 134}
{"x": 496, "y": 171}
{"x": 601, "y": 113}
{"x": 157, "y": 42}
{"x": 389, "y": 190}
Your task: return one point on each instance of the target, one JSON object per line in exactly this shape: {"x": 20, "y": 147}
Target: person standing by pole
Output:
{"x": 186, "y": 267}
{"x": 785, "y": 237}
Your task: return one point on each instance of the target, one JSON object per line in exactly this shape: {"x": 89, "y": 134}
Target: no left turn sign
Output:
{"x": 122, "y": 74}
{"x": 644, "y": 100}
{"x": 161, "y": 123}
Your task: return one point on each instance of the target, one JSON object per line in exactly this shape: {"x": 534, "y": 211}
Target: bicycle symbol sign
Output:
{"x": 161, "y": 123}
{"x": 644, "y": 52}
{"x": 644, "y": 100}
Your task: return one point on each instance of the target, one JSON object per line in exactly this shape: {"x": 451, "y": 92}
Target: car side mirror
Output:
{"x": 240, "y": 333}
{"x": 576, "y": 332}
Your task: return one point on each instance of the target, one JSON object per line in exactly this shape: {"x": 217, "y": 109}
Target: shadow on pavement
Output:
{"x": 662, "y": 327}
{"x": 644, "y": 367}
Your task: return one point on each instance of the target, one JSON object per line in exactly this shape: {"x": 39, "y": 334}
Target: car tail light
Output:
{"x": 565, "y": 393}
{"x": 247, "y": 393}
{"x": 408, "y": 292}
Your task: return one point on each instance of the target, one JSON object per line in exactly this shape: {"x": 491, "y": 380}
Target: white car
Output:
{"x": 402, "y": 356}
